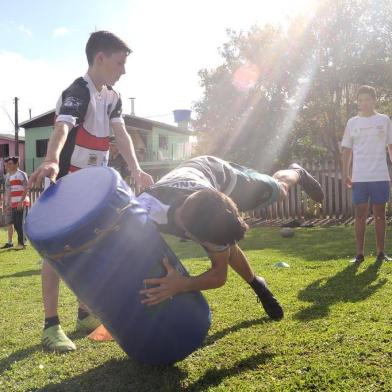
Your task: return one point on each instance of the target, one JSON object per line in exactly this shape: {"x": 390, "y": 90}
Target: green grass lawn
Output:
{"x": 336, "y": 335}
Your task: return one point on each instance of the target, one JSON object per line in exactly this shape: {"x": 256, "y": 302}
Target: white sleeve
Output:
{"x": 347, "y": 140}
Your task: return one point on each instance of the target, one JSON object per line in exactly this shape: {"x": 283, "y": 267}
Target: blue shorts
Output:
{"x": 376, "y": 192}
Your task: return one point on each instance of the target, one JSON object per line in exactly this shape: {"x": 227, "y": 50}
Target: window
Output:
{"x": 4, "y": 150}
{"x": 163, "y": 142}
{"x": 40, "y": 147}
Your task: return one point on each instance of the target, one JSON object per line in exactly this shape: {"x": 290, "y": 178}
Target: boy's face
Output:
{"x": 366, "y": 103}
{"x": 11, "y": 166}
{"x": 111, "y": 67}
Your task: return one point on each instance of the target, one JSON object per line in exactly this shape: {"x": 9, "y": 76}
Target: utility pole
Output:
{"x": 16, "y": 124}
{"x": 132, "y": 99}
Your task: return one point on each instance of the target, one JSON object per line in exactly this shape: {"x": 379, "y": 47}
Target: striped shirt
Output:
{"x": 91, "y": 113}
{"x": 15, "y": 185}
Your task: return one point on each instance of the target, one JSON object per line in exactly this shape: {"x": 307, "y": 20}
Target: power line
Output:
{"x": 8, "y": 115}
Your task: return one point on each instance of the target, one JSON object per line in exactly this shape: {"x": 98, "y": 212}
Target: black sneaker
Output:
{"x": 270, "y": 303}
{"x": 358, "y": 259}
{"x": 311, "y": 186}
{"x": 383, "y": 257}
{"x": 7, "y": 246}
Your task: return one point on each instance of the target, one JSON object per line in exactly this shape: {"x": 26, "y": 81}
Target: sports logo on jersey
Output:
{"x": 72, "y": 103}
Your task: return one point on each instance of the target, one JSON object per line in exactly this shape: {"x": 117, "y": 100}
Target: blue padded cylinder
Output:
{"x": 101, "y": 242}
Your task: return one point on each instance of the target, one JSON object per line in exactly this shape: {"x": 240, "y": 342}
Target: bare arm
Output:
{"x": 127, "y": 150}
{"x": 347, "y": 154}
{"x": 50, "y": 166}
{"x": 390, "y": 151}
{"x": 174, "y": 283}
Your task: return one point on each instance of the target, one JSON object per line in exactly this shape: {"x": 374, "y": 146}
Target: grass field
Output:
{"x": 336, "y": 335}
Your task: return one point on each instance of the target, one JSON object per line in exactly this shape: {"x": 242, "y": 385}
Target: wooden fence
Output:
{"x": 337, "y": 202}
{"x": 336, "y": 205}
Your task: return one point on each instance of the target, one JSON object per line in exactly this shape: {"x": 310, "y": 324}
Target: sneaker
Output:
{"x": 383, "y": 257}
{"x": 7, "y": 246}
{"x": 358, "y": 259}
{"x": 54, "y": 339}
{"x": 20, "y": 247}
{"x": 311, "y": 186}
{"x": 88, "y": 324}
{"x": 270, "y": 303}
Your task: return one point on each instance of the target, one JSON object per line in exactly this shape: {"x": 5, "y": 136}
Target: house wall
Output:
{"x": 31, "y": 136}
{"x": 178, "y": 145}
{"x": 11, "y": 148}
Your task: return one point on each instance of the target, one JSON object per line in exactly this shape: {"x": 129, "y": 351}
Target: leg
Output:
{"x": 50, "y": 290}
{"x": 287, "y": 179}
{"x": 296, "y": 174}
{"x": 361, "y": 214}
{"x": 379, "y": 226}
{"x": 10, "y": 231}
{"x": 18, "y": 224}
{"x": 240, "y": 264}
{"x": 53, "y": 337}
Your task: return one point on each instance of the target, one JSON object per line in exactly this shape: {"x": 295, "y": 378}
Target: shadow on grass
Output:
{"x": 122, "y": 375}
{"x": 22, "y": 274}
{"x": 345, "y": 286}
{"x": 126, "y": 375}
{"x": 234, "y": 328}
{"x": 20, "y": 355}
{"x": 215, "y": 376}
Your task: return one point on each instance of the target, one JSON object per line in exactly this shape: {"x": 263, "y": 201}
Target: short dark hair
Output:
{"x": 106, "y": 42}
{"x": 14, "y": 160}
{"x": 211, "y": 216}
{"x": 369, "y": 90}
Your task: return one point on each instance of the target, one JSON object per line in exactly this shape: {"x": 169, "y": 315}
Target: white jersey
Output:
{"x": 91, "y": 113}
{"x": 15, "y": 185}
{"x": 368, "y": 138}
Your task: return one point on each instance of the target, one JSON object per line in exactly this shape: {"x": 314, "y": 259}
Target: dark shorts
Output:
{"x": 376, "y": 192}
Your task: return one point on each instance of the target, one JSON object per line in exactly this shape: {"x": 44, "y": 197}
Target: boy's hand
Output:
{"x": 46, "y": 169}
{"x": 142, "y": 179}
{"x": 349, "y": 183}
{"x": 170, "y": 285}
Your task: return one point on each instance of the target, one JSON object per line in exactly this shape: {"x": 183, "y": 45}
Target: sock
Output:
{"x": 82, "y": 314}
{"x": 51, "y": 321}
{"x": 9, "y": 242}
{"x": 254, "y": 283}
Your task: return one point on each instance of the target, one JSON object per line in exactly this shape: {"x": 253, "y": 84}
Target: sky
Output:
{"x": 42, "y": 46}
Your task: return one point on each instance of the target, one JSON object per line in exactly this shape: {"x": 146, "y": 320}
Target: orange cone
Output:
{"x": 100, "y": 334}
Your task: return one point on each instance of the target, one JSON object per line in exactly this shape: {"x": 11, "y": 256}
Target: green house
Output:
{"x": 159, "y": 146}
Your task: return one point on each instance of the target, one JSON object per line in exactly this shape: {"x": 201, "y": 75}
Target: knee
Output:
{"x": 283, "y": 191}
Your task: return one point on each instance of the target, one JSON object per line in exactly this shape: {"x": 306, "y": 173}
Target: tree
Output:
{"x": 286, "y": 93}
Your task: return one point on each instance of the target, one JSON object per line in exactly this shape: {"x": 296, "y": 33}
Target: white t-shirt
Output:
{"x": 368, "y": 138}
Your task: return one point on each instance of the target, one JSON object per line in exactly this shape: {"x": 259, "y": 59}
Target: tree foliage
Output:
{"x": 284, "y": 93}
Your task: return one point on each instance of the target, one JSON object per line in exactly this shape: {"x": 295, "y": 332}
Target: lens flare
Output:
{"x": 246, "y": 76}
